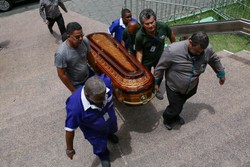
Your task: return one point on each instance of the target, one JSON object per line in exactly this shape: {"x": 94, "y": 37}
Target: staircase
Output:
{"x": 32, "y": 110}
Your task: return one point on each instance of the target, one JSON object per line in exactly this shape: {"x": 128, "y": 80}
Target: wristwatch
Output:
{"x": 70, "y": 151}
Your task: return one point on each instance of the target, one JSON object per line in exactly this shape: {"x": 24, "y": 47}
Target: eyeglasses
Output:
{"x": 77, "y": 37}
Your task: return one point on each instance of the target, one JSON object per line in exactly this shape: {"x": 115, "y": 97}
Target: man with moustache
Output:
{"x": 150, "y": 40}
{"x": 183, "y": 62}
{"x": 71, "y": 58}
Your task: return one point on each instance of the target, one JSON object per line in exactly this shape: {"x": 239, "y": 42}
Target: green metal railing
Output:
{"x": 182, "y": 12}
{"x": 168, "y": 10}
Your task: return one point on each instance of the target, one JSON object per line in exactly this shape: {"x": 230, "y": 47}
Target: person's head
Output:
{"x": 126, "y": 16}
{"x": 95, "y": 90}
{"x": 198, "y": 42}
{"x": 133, "y": 27}
{"x": 74, "y": 34}
{"x": 148, "y": 20}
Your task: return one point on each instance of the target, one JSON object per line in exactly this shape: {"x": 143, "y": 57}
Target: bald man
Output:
{"x": 128, "y": 36}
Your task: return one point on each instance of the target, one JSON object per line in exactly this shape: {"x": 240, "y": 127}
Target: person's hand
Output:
{"x": 222, "y": 80}
{"x": 70, "y": 153}
{"x": 46, "y": 22}
{"x": 156, "y": 88}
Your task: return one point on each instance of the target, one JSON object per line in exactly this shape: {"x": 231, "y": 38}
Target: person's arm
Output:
{"x": 170, "y": 33}
{"x": 216, "y": 65}
{"x": 113, "y": 27}
{"x": 123, "y": 43}
{"x": 172, "y": 37}
{"x": 163, "y": 65}
{"x": 64, "y": 78}
{"x": 124, "y": 37}
{"x": 69, "y": 143}
{"x": 139, "y": 47}
{"x": 62, "y": 6}
{"x": 42, "y": 11}
{"x": 139, "y": 55}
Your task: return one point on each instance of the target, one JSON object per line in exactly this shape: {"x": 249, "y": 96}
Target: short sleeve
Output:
{"x": 72, "y": 121}
{"x": 113, "y": 27}
{"x": 86, "y": 42}
{"x": 60, "y": 61}
{"x": 138, "y": 42}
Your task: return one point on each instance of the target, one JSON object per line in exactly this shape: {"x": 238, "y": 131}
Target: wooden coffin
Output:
{"x": 133, "y": 84}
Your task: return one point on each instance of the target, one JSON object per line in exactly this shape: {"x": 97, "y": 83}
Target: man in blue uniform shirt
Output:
{"x": 117, "y": 27}
{"x": 91, "y": 108}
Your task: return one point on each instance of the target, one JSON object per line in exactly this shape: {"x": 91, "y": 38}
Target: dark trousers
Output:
{"x": 60, "y": 22}
{"x": 176, "y": 102}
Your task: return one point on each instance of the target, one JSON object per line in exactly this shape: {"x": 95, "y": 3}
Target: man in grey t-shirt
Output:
{"x": 71, "y": 58}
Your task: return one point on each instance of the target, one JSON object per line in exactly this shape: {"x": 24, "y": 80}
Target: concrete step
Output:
{"x": 215, "y": 118}
{"x": 32, "y": 101}
{"x": 32, "y": 111}
{"x": 242, "y": 56}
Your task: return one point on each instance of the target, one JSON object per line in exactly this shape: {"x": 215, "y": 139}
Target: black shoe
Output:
{"x": 180, "y": 120}
{"x": 113, "y": 138}
{"x": 105, "y": 163}
{"x": 167, "y": 124}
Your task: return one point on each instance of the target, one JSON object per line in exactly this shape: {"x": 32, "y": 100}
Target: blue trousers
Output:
{"x": 100, "y": 147}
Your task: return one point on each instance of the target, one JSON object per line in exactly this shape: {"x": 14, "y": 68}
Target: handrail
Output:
{"x": 175, "y": 4}
{"x": 158, "y": 6}
{"x": 217, "y": 27}
{"x": 172, "y": 11}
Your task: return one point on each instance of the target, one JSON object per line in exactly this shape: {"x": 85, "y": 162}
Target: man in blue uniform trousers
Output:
{"x": 91, "y": 108}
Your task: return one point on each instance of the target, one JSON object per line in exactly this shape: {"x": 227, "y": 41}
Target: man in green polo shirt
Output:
{"x": 150, "y": 40}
